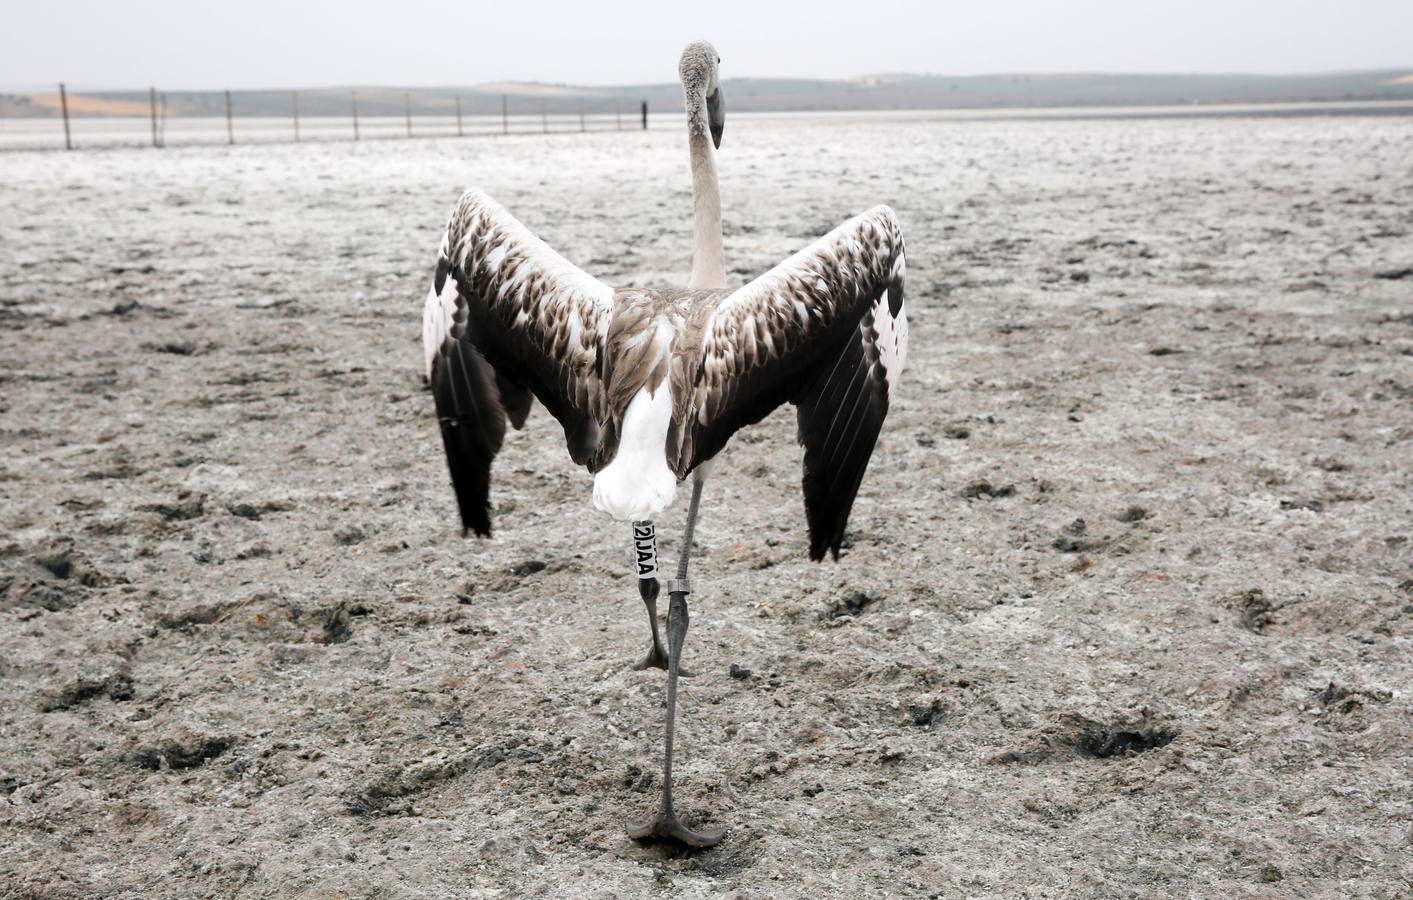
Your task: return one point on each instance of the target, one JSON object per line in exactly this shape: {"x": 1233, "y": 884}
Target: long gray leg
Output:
{"x": 665, "y": 824}
{"x": 649, "y": 588}
{"x": 691, "y": 527}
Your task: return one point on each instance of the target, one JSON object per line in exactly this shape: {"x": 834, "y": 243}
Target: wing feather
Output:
{"x": 825, "y": 330}
{"x": 508, "y": 318}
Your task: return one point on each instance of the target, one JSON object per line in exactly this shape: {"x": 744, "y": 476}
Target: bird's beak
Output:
{"x": 716, "y": 116}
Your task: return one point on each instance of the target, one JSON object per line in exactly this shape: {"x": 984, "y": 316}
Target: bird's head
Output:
{"x": 699, "y": 69}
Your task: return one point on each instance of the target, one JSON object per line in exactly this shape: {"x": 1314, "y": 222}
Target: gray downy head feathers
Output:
{"x": 701, "y": 89}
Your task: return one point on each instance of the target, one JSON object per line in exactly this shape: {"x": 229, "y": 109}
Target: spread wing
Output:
{"x": 824, "y": 330}
{"x": 508, "y": 318}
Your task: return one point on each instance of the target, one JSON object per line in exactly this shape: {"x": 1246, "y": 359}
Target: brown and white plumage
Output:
{"x": 648, "y": 384}
{"x": 827, "y": 331}
{"x": 508, "y": 318}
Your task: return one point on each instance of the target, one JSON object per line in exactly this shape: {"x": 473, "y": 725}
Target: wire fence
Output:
{"x": 87, "y": 120}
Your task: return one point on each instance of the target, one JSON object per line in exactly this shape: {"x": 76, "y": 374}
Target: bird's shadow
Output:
{"x": 735, "y": 853}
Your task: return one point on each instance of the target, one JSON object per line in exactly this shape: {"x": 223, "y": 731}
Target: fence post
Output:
{"x": 294, "y": 97}
{"x": 355, "y": 115}
{"x": 459, "y": 132}
{"x": 64, "y": 105}
{"x": 645, "y": 115}
{"x": 544, "y": 120}
{"x": 504, "y": 118}
{"x": 407, "y": 110}
{"x": 152, "y": 102}
{"x": 230, "y": 129}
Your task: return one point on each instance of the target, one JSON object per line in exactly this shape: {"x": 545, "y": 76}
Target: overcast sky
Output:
{"x": 184, "y": 44}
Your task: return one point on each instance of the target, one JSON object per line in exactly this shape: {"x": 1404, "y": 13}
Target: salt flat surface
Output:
{"x": 1134, "y": 550}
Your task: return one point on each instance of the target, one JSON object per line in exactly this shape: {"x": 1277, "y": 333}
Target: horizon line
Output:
{"x": 44, "y": 87}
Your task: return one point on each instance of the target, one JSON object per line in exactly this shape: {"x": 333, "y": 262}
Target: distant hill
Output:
{"x": 757, "y": 95}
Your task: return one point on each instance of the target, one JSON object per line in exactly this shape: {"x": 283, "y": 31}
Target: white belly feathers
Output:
{"x": 638, "y": 484}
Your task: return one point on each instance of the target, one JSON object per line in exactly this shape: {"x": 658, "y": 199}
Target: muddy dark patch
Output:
{"x": 1133, "y": 514}
{"x": 19, "y": 593}
{"x": 1345, "y": 708}
{"x": 390, "y": 794}
{"x": 528, "y": 567}
{"x": 1079, "y": 735}
{"x": 638, "y": 781}
{"x": 1072, "y": 538}
{"x": 67, "y": 565}
{"x": 1344, "y": 699}
{"x": 1256, "y": 610}
{"x": 115, "y": 687}
{"x": 185, "y": 508}
{"x": 119, "y": 471}
{"x": 732, "y": 856}
{"x": 180, "y": 753}
{"x": 201, "y": 614}
{"x": 347, "y": 537}
{"x": 58, "y": 566}
{"x": 338, "y": 627}
{"x": 926, "y": 716}
{"x": 728, "y": 858}
{"x": 983, "y": 488}
{"x": 255, "y": 511}
{"x": 1332, "y": 464}
{"x": 176, "y": 348}
{"x": 848, "y": 605}
{"x": 1102, "y": 741}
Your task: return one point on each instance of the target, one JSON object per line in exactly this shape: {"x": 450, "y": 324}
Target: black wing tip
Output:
{"x": 475, "y": 513}
{"x": 820, "y": 546}
{"x": 472, "y": 426}
{"x": 470, "y": 480}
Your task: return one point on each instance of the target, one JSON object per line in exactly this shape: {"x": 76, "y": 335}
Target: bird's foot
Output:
{"x": 657, "y": 659}
{"x": 665, "y": 826}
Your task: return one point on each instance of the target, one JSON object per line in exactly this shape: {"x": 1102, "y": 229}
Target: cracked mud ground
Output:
{"x": 1125, "y": 609}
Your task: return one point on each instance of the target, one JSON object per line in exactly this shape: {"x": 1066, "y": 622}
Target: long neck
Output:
{"x": 708, "y": 255}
